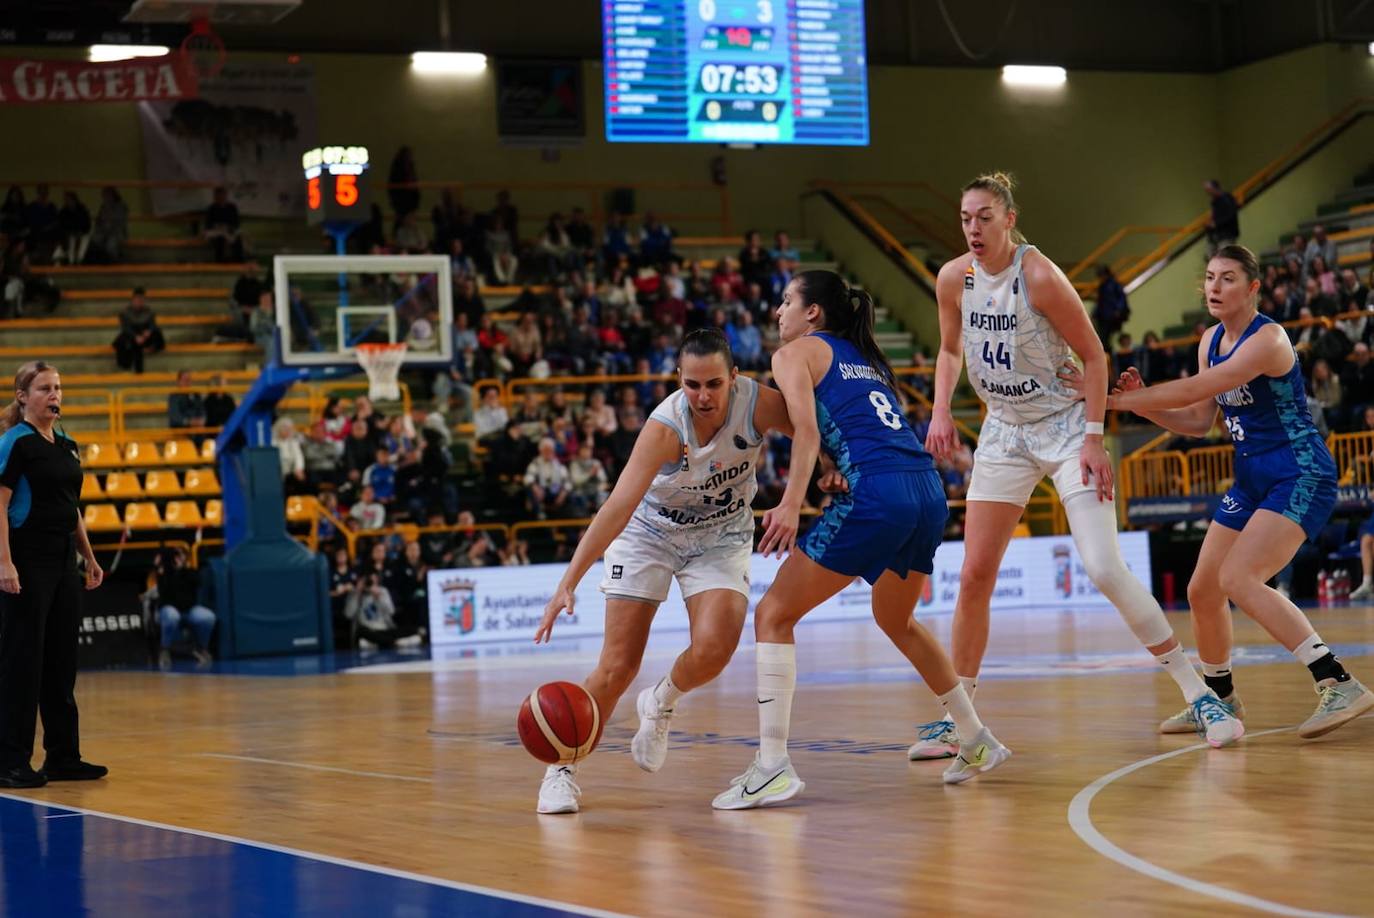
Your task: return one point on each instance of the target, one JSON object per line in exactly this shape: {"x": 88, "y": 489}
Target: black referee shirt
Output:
{"x": 46, "y": 481}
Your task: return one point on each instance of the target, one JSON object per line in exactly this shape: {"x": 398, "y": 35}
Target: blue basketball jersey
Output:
{"x": 862, "y": 425}
{"x": 1267, "y": 412}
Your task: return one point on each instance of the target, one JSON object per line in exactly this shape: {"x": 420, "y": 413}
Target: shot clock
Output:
{"x": 335, "y": 184}
{"x": 736, "y": 71}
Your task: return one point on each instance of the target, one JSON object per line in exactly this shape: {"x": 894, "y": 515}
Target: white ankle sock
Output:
{"x": 666, "y": 694}
{"x": 777, "y": 680}
{"x": 1176, "y": 664}
{"x": 1312, "y": 649}
{"x": 960, "y": 708}
{"x": 970, "y": 684}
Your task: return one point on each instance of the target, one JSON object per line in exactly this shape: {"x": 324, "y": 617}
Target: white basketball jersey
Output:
{"x": 711, "y": 487}
{"x": 1013, "y": 353}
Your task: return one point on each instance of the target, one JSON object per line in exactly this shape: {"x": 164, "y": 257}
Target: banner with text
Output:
{"x": 506, "y": 603}
{"x": 25, "y": 82}
{"x": 246, "y": 131}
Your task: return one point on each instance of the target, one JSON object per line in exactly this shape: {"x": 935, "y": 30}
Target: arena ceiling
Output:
{"x": 1140, "y": 35}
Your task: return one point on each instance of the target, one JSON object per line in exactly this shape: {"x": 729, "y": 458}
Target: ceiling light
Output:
{"x": 105, "y": 53}
{"x": 449, "y": 62}
{"x": 1026, "y": 75}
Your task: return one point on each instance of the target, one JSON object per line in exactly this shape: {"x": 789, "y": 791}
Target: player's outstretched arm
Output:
{"x": 656, "y": 446}
{"x": 1193, "y": 421}
{"x": 942, "y": 439}
{"x": 1267, "y": 353}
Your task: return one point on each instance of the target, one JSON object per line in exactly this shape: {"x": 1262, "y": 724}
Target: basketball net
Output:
{"x": 382, "y": 363}
{"x": 203, "y": 50}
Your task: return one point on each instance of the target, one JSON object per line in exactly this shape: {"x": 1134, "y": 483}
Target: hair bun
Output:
{"x": 1004, "y": 179}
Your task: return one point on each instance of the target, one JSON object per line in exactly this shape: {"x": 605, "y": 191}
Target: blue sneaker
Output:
{"x": 1216, "y": 721}
{"x": 938, "y": 739}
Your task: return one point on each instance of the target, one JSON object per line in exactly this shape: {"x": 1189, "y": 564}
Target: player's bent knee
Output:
{"x": 1236, "y": 580}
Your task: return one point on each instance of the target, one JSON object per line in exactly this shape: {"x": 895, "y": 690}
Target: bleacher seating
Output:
{"x": 183, "y": 514}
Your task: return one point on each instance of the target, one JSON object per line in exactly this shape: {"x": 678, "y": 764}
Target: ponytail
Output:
{"x": 849, "y": 314}
{"x": 11, "y": 416}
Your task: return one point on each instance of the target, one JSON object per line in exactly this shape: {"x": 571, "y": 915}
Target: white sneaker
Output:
{"x": 938, "y": 739}
{"x": 982, "y": 753}
{"x": 559, "y": 793}
{"x": 761, "y": 787}
{"x": 1341, "y": 702}
{"x": 650, "y": 746}
{"x": 1216, "y": 721}
{"x": 1363, "y": 591}
{"x": 1185, "y": 721}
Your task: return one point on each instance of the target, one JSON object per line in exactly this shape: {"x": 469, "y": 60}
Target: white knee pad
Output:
{"x": 1093, "y": 524}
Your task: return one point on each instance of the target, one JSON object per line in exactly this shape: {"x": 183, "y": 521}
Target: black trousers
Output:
{"x": 38, "y": 643}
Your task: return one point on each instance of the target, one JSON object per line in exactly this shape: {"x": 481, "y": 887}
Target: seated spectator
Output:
{"x": 490, "y": 418}
{"x": 263, "y": 325}
{"x": 1305, "y": 336}
{"x": 436, "y": 545}
{"x": 1155, "y": 363}
{"x": 516, "y": 554}
{"x": 371, "y": 614}
{"x": 588, "y": 480}
{"x": 778, "y": 280}
{"x": 1320, "y": 246}
{"x": 360, "y": 449}
{"x": 178, "y": 602}
{"x": 185, "y": 407}
{"x": 556, "y": 248}
{"x": 546, "y": 482}
{"x": 745, "y": 341}
{"x": 1357, "y": 380}
{"x": 1326, "y": 391}
{"x": 74, "y": 230}
{"x": 406, "y": 580}
{"x": 410, "y": 236}
{"x": 615, "y": 242}
{"x": 655, "y": 240}
{"x": 321, "y": 458}
{"x": 1325, "y": 277}
{"x": 219, "y": 404}
{"x": 1352, "y": 295}
{"x": 368, "y": 512}
{"x": 614, "y": 354}
{"x": 247, "y": 289}
{"x": 500, "y": 245}
{"x": 601, "y": 414}
{"x": 531, "y": 417}
{"x": 139, "y": 335}
{"x": 478, "y": 551}
{"x": 44, "y": 231}
{"x": 630, "y": 406}
{"x": 754, "y": 261}
{"x": 526, "y": 344}
{"x": 343, "y": 580}
{"x": 337, "y": 423}
{"x": 288, "y": 444}
{"x": 304, "y": 324}
{"x": 380, "y": 477}
{"x": 399, "y": 436}
{"x": 784, "y": 250}
{"x": 582, "y": 236}
{"x": 622, "y": 442}
{"x": 222, "y": 227}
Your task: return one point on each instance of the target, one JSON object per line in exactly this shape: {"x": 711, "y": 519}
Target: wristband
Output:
{"x": 1094, "y": 428}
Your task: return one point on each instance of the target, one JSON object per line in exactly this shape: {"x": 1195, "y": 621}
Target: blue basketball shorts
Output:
{"x": 889, "y": 521}
{"x": 1297, "y": 481}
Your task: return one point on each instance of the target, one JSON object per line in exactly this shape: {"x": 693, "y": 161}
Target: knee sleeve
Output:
{"x": 1093, "y": 524}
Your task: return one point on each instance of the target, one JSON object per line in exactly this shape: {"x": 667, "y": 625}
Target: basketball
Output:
{"x": 559, "y": 723}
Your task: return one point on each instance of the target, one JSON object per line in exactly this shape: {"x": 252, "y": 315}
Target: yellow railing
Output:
{"x": 1211, "y": 469}
{"x": 1354, "y": 455}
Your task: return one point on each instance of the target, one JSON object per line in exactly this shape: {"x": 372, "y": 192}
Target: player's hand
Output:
{"x": 832, "y": 482}
{"x": 1129, "y": 381}
{"x": 780, "y": 530}
{"x": 563, "y": 598}
{"x": 941, "y": 439}
{"x": 94, "y": 575}
{"x": 9, "y": 578}
{"x": 1072, "y": 377}
{"x": 1096, "y": 467}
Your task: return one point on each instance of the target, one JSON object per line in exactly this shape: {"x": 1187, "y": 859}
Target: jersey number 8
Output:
{"x": 886, "y": 413}
{"x": 1003, "y": 355}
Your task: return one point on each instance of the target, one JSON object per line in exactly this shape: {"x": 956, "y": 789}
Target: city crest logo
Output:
{"x": 460, "y": 604}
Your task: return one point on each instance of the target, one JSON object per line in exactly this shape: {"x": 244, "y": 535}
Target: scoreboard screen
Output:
{"x": 735, "y": 71}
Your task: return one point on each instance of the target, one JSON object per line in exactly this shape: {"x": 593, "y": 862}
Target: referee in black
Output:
{"x": 41, "y": 531}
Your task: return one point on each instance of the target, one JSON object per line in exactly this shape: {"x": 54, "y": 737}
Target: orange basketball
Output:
{"x": 559, "y": 723}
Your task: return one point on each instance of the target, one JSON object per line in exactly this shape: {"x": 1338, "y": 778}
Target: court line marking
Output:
{"x": 309, "y": 767}
{"x": 1080, "y": 820}
{"x": 64, "y": 815}
{"x": 329, "y": 859}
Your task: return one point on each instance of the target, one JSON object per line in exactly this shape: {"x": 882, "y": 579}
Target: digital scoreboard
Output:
{"x": 335, "y": 186}
{"x": 735, "y": 71}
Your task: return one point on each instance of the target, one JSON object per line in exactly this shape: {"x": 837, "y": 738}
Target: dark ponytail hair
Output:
{"x": 848, "y": 315}
{"x": 707, "y": 341}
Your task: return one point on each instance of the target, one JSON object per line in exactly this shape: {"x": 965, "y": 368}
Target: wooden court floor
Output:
{"x": 413, "y": 766}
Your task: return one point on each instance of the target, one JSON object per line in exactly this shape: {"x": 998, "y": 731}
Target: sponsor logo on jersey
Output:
{"x": 720, "y": 477}
{"x": 684, "y": 465}
{"x": 685, "y": 517}
{"x": 617, "y": 571}
{"x": 1015, "y": 285}
{"x": 715, "y": 466}
{"x": 968, "y": 278}
{"x": 1238, "y": 397}
{"x": 1023, "y": 389}
{"x": 992, "y": 321}
{"x": 1229, "y": 504}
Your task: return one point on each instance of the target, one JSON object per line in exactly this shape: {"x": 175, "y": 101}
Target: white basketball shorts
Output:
{"x": 1012, "y": 458}
{"x": 641, "y": 564}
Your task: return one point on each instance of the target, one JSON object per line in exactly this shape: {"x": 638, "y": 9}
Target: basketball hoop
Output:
{"x": 382, "y": 362}
{"x": 203, "y": 50}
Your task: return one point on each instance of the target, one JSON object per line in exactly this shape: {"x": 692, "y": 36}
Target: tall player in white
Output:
{"x": 681, "y": 508}
{"x": 1012, "y": 315}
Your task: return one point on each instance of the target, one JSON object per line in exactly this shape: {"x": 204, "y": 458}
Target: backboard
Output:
{"x": 326, "y": 305}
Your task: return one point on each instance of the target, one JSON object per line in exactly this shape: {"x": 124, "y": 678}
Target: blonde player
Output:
{"x": 681, "y": 508}
{"x": 1014, "y": 318}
